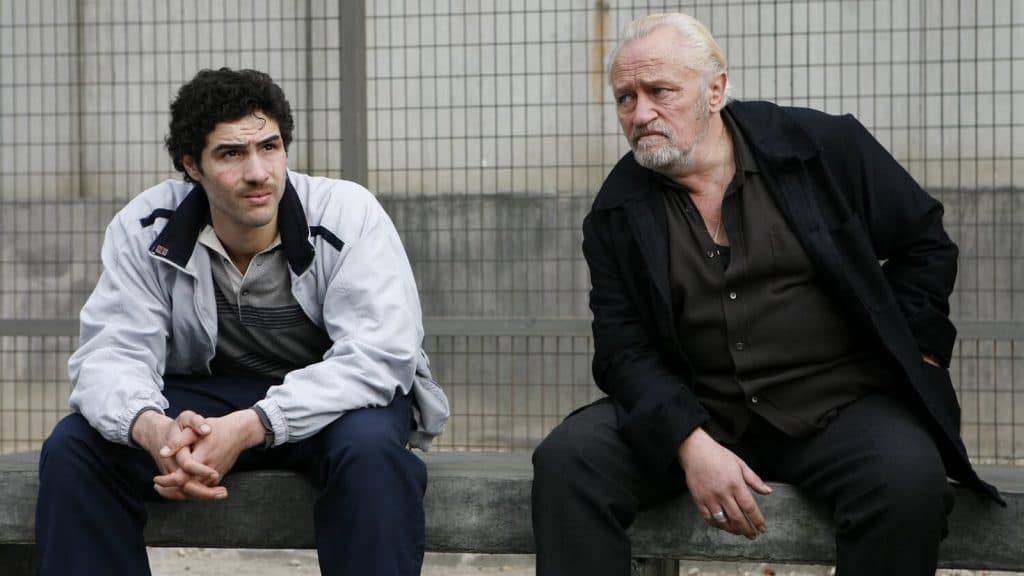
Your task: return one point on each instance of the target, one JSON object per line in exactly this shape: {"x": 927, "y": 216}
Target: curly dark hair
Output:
{"x": 225, "y": 95}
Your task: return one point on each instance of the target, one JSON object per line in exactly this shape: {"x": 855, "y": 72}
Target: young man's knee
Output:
{"x": 69, "y": 440}
{"x": 362, "y": 434}
{"x": 369, "y": 452}
{"x": 365, "y": 450}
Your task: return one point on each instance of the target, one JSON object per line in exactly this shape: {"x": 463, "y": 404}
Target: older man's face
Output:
{"x": 661, "y": 102}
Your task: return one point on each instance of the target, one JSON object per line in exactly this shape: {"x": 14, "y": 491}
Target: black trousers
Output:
{"x": 368, "y": 518}
{"x": 875, "y": 464}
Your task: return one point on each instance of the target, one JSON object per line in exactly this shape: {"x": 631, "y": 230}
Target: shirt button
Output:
{"x": 754, "y": 400}
{"x": 732, "y": 295}
{"x": 245, "y": 292}
{"x": 711, "y": 253}
{"x": 739, "y": 345}
{"x": 259, "y": 263}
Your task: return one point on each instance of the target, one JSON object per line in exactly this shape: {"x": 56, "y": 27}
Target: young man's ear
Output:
{"x": 192, "y": 167}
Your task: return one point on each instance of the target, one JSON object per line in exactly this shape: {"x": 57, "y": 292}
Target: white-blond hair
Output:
{"x": 705, "y": 56}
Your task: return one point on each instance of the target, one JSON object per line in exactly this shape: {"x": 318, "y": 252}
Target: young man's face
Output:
{"x": 242, "y": 169}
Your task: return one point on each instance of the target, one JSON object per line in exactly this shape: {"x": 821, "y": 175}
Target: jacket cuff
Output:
{"x": 127, "y": 419}
{"x": 275, "y": 416}
{"x": 656, "y": 435}
{"x": 268, "y": 429}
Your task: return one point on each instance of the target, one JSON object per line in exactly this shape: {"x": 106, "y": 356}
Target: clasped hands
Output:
{"x": 193, "y": 453}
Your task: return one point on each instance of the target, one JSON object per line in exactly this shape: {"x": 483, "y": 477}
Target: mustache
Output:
{"x": 651, "y": 127}
{"x": 259, "y": 190}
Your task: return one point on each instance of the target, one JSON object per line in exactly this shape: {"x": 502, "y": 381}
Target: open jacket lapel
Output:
{"x": 647, "y": 220}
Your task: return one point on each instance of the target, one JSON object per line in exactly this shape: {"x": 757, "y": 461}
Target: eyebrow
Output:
{"x": 227, "y": 146}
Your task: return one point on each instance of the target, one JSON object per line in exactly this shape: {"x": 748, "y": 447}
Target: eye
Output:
{"x": 624, "y": 99}
{"x": 270, "y": 146}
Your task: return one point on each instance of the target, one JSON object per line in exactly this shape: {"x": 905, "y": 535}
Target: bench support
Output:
{"x": 654, "y": 567}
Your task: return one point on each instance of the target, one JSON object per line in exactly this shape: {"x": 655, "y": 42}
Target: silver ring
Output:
{"x": 718, "y": 516}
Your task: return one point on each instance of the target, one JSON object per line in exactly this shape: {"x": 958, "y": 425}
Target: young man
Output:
{"x": 247, "y": 317}
{"x": 744, "y": 327}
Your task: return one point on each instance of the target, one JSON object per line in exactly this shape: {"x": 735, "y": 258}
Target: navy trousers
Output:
{"x": 369, "y": 515}
{"x": 875, "y": 465}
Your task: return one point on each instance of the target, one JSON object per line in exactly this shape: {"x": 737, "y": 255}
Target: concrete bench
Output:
{"x": 480, "y": 503}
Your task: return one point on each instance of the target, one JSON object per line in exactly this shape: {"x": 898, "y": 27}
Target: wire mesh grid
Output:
{"x": 507, "y": 392}
{"x": 33, "y": 388}
{"x": 984, "y": 371}
{"x": 488, "y": 131}
{"x": 485, "y": 109}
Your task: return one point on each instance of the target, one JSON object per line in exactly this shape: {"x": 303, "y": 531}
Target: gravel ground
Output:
{"x": 212, "y": 562}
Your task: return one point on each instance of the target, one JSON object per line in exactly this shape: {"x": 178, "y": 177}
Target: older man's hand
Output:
{"x": 720, "y": 482}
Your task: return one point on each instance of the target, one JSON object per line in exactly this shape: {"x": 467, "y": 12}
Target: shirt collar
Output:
{"x": 208, "y": 237}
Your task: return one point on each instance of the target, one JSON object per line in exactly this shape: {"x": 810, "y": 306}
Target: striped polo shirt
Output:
{"x": 261, "y": 329}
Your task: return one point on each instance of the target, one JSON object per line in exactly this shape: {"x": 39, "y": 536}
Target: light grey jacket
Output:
{"x": 153, "y": 311}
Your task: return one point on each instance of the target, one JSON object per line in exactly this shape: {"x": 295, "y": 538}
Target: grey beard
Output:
{"x": 660, "y": 157}
{"x": 663, "y": 158}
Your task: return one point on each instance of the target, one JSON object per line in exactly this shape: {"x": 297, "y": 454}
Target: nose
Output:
{"x": 644, "y": 112}
{"x": 255, "y": 170}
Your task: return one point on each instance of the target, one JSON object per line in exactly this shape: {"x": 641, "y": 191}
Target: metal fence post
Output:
{"x": 354, "y": 161}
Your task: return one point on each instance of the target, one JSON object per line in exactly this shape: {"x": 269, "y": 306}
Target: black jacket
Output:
{"x": 851, "y": 205}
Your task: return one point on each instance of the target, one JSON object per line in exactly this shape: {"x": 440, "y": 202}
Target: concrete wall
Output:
{"x": 490, "y": 128}
{"x": 499, "y": 115}
{"x": 513, "y": 97}
{"x": 85, "y": 85}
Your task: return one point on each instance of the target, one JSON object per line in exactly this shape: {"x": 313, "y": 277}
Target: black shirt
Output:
{"x": 759, "y": 330}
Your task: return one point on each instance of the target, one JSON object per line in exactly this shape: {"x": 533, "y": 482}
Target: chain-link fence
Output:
{"x": 486, "y": 129}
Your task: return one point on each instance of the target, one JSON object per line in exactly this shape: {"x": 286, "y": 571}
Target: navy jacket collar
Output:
{"x": 178, "y": 239}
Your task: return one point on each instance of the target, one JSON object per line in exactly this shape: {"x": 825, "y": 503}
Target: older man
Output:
{"x": 745, "y": 329}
